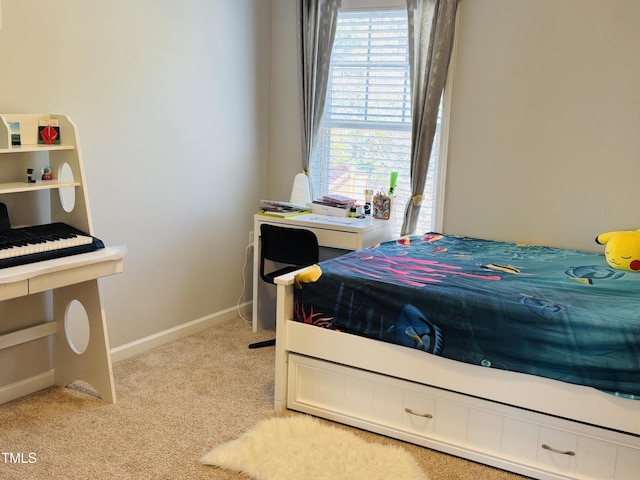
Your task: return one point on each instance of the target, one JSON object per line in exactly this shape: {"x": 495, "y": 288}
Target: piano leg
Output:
{"x": 93, "y": 365}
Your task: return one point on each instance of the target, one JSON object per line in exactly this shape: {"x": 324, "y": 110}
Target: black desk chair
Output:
{"x": 294, "y": 247}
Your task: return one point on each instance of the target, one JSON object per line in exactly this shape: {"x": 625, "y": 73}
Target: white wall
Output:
{"x": 171, "y": 101}
{"x": 285, "y": 148}
{"x": 545, "y": 122}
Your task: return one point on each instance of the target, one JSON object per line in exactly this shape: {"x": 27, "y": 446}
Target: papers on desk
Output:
{"x": 277, "y": 203}
{"x": 282, "y": 213}
{"x": 273, "y": 208}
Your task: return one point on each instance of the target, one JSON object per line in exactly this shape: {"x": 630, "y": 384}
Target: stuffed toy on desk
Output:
{"x": 622, "y": 249}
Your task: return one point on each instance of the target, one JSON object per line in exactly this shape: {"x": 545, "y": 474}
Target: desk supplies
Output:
{"x": 282, "y": 212}
{"x": 277, "y": 203}
{"x": 368, "y": 193}
{"x": 381, "y": 206}
{"x": 275, "y": 208}
{"x": 339, "y": 200}
{"x": 393, "y": 181}
{"x": 336, "y": 205}
{"x": 324, "y": 208}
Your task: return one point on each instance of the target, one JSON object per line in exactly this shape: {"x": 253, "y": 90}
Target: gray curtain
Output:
{"x": 431, "y": 31}
{"x": 316, "y": 30}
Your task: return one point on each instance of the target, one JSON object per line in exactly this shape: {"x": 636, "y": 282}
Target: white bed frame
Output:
{"x": 529, "y": 425}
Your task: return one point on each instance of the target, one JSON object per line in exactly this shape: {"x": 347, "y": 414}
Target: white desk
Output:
{"x": 335, "y": 233}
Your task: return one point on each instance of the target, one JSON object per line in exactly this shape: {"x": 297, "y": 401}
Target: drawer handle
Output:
{"x": 424, "y": 415}
{"x": 561, "y": 452}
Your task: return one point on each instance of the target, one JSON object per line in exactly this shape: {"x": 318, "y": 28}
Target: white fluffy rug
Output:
{"x": 302, "y": 447}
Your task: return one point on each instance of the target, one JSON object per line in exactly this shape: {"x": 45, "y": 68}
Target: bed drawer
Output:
{"x": 506, "y": 437}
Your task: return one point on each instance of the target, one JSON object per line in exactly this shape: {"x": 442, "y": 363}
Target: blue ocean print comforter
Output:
{"x": 556, "y": 313}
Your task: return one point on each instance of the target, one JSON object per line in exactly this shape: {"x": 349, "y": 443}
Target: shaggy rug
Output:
{"x": 295, "y": 448}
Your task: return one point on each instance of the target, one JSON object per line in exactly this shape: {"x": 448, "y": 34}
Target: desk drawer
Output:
{"x": 335, "y": 239}
{"x": 327, "y": 237}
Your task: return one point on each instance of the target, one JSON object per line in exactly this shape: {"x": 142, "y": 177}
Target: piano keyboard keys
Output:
{"x": 19, "y": 246}
{"x": 30, "y": 247}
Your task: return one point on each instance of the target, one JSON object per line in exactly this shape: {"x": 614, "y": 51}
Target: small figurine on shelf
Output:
{"x": 47, "y": 173}
{"x": 30, "y": 178}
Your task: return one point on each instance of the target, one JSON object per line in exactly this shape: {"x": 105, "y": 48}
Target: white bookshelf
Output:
{"x": 72, "y": 280}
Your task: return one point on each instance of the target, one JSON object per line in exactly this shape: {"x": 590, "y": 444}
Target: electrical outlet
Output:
{"x": 251, "y": 237}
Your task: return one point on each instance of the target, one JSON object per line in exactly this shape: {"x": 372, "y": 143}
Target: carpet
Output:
{"x": 302, "y": 447}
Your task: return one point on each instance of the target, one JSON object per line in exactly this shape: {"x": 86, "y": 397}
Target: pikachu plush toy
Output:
{"x": 622, "y": 249}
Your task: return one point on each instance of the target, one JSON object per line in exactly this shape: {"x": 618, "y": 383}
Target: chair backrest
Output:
{"x": 292, "y": 246}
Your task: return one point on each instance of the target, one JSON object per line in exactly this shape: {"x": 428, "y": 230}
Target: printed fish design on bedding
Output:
{"x": 313, "y": 318}
{"x": 413, "y": 329}
{"x": 432, "y": 237}
{"x": 500, "y": 268}
{"x": 588, "y": 273}
{"x": 407, "y": 270}
{"x": 539, "y": 306}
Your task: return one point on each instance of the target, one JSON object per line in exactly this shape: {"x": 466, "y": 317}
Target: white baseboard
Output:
{"x": 157, "y": 339}
{"x": 46, "y": 379}
{"x": 25, "y": 387}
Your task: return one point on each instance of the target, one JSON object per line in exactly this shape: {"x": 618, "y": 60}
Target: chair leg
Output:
{"x": 266, "y": 343}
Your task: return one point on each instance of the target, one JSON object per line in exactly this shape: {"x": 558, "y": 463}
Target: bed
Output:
{"x": 522, "y": 357}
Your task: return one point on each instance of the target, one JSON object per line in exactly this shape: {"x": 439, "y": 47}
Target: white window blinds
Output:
{"x": 365, "y": 133}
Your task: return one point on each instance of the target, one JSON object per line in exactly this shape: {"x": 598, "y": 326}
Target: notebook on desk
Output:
{"x": 275, "y": 208}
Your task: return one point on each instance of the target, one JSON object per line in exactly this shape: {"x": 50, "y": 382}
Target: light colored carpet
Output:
{"x": 303, "y": 448}
{"x": 175, "y": 403}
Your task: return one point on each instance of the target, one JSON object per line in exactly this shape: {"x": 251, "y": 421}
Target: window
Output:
{"x": 365, "y": 133}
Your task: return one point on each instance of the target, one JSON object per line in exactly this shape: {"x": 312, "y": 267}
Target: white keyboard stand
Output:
{"x": 70, "y": 278}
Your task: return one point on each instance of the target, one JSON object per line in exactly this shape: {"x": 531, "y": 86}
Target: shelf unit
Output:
{"x": 17, "y": 187}
{"x": 73, "y": 280}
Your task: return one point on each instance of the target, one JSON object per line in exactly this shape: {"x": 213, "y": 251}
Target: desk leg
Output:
{"x": 92, "y": 365}
{"x": 256, "y": 278}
